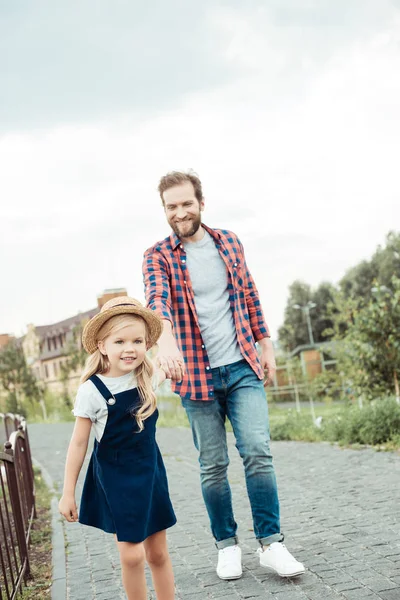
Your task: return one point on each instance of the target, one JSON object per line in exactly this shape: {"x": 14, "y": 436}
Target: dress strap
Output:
{"x": 103, "y": 389}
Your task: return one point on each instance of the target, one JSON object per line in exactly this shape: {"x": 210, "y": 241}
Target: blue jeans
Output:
{"x": 240, "y": 396}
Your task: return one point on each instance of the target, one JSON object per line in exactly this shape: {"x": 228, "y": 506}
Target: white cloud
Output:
{"x": 298, "y": 156}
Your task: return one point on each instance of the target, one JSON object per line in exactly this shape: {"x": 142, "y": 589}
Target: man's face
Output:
{"x": 183, "y": 210}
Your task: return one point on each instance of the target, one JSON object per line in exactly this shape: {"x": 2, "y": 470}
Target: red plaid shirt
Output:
{"x": 169, "y": 291}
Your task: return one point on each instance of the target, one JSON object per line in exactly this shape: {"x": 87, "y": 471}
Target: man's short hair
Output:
{"x": 174, "y": 178}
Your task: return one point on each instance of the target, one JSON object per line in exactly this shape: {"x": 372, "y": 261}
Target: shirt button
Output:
{"x": 207, "y": 368}
{"x": 235, "y": 265}
{"x": 183, "y": 260}
{"x": 203, "y": 346}
{"x": 181, "y": 247}
{"x": 210, "y": 393}
{"x": 184, "y": 281}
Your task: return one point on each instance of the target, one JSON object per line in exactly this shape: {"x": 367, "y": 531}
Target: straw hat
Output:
{"x": 123, "y": 305}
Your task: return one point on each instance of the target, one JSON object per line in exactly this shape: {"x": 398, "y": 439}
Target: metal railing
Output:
{"x": 17, "y": 507}
{"x": 8, "y": 423}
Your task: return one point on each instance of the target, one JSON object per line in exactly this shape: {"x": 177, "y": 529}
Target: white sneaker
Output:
{"x": 229, "y": 563}
{"x": 278, "y": 558}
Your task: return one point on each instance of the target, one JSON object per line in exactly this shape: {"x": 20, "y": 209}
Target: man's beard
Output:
{"x": 195, "y": 224}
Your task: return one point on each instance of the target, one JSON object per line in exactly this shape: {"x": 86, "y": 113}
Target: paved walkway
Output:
{"x": 340, "y": 514}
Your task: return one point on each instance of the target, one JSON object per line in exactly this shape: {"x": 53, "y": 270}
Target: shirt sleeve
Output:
{"x": 88, "y": 403}
{"x": 258, "y": 323}
{"x": 156, "y": 284}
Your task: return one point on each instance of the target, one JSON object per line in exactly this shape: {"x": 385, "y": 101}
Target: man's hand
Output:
{"x": 267, "y": 360}
{"x": 169, "y": 358}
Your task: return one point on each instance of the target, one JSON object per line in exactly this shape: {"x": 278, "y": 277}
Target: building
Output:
{"x": 46, "y": 346}
{"x": 5, "y": 338}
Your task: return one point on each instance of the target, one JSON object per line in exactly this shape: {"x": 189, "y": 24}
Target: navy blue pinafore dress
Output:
{"x": 126, "y": 489}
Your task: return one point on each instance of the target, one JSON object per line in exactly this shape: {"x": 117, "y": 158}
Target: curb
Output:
{"x": 59, "y": 577}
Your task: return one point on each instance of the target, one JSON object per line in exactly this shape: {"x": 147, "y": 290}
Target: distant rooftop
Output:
{"x": 65, "y": 325}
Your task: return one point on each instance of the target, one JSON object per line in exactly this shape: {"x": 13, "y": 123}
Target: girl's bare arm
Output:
{"x": 75, "y": 457}
{"x": 161, "y": 376}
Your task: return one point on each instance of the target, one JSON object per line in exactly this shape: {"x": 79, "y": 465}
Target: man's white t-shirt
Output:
{"x": 209, "y": 278}
{"x": 90, "y": 404}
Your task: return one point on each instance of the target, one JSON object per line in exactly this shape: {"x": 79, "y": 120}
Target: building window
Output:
{"x": 46, "y": 372}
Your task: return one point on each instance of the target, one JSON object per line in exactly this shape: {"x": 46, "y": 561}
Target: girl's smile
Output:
{"x": 125, "y": 349}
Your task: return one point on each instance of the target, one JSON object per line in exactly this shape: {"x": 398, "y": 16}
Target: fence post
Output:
{"x": 29, "y": 467}
{"x": 16, "y": 509}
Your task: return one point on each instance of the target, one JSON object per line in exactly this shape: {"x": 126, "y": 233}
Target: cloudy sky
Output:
{"x": 287, "y": 109}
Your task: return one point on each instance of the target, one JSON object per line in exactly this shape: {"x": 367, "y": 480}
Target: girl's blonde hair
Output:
{"x": 98, "y": 363}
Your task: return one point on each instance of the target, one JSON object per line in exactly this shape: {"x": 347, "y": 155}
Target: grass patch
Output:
{"x": 40, "y": 550}
{"x": 171, "y": 412}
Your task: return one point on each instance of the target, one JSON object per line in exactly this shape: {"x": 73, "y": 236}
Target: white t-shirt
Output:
{"x": 90, "y": 404}
{"x": 209, "y": 277}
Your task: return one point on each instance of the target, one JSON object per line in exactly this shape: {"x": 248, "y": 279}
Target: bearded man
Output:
{"x": 198, "y": 281}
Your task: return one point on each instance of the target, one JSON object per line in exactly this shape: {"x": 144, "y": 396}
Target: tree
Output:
{"x": 384, "y": 264}
{"x": 388, "y": 260}
{"x": 294, "y": 331}
{"x": 325, "y": 299}
{"x": 76, "y": 358}
{"x": 370, "y": 350}
{"x": 17, "y": 378}
{"x": 358, "y": 280}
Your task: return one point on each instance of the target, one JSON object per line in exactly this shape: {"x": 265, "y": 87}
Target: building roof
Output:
{"x": 323, "y": 346}
{"x": 44, "y": 331}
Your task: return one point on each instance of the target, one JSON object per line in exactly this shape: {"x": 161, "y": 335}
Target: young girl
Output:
{"x": 125, "y": 490}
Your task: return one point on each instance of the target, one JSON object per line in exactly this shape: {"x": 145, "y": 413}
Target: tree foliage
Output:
{"x": 330, "y": 301}
{"x": 294, "y": 331}
{"x": 384, "y": 264}
{"x": 75, "y": 359}
{"x": 17, "y": 378}
{"x": 369, "y": 353}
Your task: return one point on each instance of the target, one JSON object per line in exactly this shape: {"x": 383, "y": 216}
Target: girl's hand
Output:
{"x": 161, "y": 375}
{"x": 68, "y": 509}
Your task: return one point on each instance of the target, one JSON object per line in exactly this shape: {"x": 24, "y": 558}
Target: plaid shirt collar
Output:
{"x": 175, "y": 241}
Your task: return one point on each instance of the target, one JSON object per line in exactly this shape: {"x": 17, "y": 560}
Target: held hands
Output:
{"x": 170, "y": 360}
{"x": 267, "y": 360}
{"x": 68, "y": 509}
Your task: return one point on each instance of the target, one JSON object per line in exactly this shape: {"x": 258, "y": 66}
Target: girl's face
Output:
{"x": 125, "y": 349}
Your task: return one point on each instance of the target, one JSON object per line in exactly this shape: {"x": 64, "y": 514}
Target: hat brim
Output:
{"x": 91, "y": 329}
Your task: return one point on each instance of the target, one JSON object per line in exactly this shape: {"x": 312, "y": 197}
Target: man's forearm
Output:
{"x": 169, "y": 355}
{"x": 265, "y": 342}
{"x": 167, "y": 336}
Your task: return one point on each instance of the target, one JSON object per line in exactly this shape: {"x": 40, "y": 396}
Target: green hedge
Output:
{"x": 374, "y": 424}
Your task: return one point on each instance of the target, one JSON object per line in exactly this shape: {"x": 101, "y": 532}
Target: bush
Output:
{"x": 52, "y": 406}
{"x": 376, "y": 423}
{"x": 296, "y": 426}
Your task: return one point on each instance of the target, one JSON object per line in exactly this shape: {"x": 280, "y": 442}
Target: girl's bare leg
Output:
{"x": 160, "y": 564}
{"x": 132, "y": 563}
